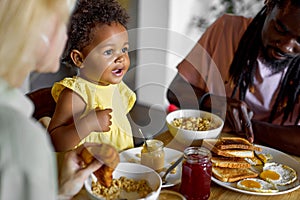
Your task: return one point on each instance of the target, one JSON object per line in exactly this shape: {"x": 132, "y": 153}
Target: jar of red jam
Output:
{"x": 196, "y": 173}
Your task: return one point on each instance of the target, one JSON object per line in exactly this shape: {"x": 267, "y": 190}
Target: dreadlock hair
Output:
{"x": 87, "y": 15}
{"x": 244, "y": 65}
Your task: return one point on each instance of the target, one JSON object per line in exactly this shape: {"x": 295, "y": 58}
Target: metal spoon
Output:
{"x": 163, "y": 178}
{"x": 144, "y": 138}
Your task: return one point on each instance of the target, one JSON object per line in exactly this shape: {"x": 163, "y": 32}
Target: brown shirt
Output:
{"x": 207, "y": 67}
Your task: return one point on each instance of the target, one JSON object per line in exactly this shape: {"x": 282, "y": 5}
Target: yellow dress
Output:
{"x": 116, "y": 96}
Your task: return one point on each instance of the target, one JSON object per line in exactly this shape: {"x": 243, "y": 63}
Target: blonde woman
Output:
{"x": 33, "y": 35}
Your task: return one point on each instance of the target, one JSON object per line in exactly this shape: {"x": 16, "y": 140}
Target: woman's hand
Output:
{"x": 74, "y": 171}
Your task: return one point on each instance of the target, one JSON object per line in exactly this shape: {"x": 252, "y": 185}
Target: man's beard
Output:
{"x": 275, "y": 65}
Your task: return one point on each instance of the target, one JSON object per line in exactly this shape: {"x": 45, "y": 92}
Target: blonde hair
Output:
{"x": 20, "y": 29}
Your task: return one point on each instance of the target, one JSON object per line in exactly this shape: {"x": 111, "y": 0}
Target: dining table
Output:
{"x": 216, "y": 191}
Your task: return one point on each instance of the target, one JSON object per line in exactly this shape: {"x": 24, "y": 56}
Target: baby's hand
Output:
{"x": 104, "y": 119}
{"x": 100, "y": 120}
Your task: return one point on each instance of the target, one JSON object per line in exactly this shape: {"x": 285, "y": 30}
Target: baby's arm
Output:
{"x": 67, "y": 129}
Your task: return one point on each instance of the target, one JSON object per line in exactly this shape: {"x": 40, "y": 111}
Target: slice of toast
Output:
{"x": 236, "y": 143}
{"x": 237, "y": 153}
{"x": 234, "y": 140}
{"x": 212, "y": 145}
{"x": 230, "y": 162}
{"x": 232, "y": 175}
{"x": 233, "y": 143}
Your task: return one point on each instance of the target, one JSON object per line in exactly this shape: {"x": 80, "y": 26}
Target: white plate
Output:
{"x": 171, "y": 155}
{"x": 278, "y": 157}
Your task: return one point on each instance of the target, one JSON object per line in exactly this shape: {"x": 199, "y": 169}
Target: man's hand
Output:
{"x": 238, "y": 115}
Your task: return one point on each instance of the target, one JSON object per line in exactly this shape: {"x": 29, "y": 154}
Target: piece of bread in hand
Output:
{"x": 103, "y": 153}
{"x": 230, "y": 162}
{"x": 233, "y": 174}
{"x": 104, "y": 175}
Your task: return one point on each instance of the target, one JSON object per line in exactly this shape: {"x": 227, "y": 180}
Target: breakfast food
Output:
{"x": 230, "y": 147}
{"x": 194, "y": 123}
{"x": 104, "y": 175}
{"x": 259, "y": 159}
{"x": 232, "y": 174}
{"x": 237, "y": 160}
{"x": 278, "y": 174}
{"x": 256, "y": 185}
{"x": 236, "y": 143}
{"x": 128, "y": 185}
{"x": 103, "y": 152}
{"x": 229, "y": 158}
{"x": 153, "y": 155}
{"x": 230, "y": 162}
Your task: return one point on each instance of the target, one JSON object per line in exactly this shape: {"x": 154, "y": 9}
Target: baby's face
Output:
{"x": 106, "y": 59}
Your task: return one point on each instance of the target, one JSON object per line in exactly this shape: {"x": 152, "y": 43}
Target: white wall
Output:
{"x": 165, "y": 37}
{"x": 152, "y": 36}
{"x": 172, "y": 33}
{"x": 183, "y": 32}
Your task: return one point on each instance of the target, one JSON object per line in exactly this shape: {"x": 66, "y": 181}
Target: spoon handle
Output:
{"x": 172, "y": 166}
{"x": 145, "y": 140}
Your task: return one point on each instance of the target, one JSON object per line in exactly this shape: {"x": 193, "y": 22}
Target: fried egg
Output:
{"x": 278, "y": 174}
{"x": 265, "y": 157}
{"x": 256, "y": 185}
{"x": 258, "y": 158}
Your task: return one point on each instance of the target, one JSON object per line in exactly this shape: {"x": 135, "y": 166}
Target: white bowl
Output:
{"x": 136, "y": 172}
{"x": 188, "y": 136}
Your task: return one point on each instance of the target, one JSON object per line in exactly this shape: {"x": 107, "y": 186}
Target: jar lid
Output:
{"x": 154, "y": 145}
{"x": 196, "y": 154}
{"x": 169, "y": 194}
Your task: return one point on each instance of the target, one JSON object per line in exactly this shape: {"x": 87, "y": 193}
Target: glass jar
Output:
{"x": 154, "y": 155}
{"x": 196, "y": 173}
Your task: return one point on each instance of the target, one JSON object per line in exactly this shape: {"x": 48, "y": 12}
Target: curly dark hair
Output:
{"x": 86, "y": 16}
{"x": 243, "y": 66}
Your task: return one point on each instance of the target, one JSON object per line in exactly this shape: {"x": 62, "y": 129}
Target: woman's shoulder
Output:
{"x": 17, "y": 128}
{"x": 15, "y": 121}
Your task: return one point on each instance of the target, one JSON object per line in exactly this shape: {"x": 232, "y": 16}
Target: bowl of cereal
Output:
{"x": 188, "y": 125}
{"x": 131, "y": 181}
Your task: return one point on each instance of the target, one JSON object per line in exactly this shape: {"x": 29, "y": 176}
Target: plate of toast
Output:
{"x": 171, "y": 155}
{"x": 252, "y": 169}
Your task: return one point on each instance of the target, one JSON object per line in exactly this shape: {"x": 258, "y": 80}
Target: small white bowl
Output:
{"x": 134, "y": 171}
{"x": 188, "y": 136}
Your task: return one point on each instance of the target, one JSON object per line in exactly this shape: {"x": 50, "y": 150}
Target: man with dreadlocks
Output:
{"x": 258, "y": 61}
